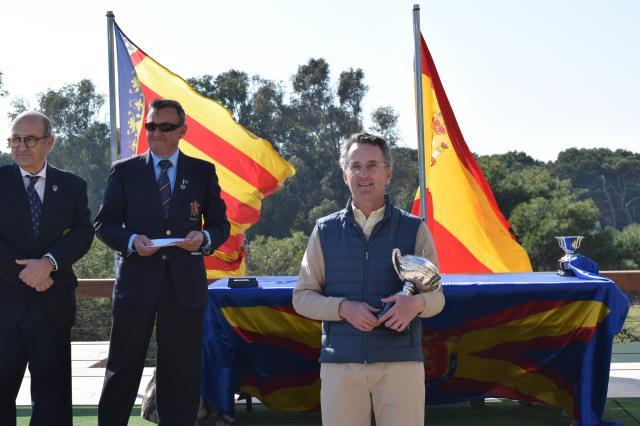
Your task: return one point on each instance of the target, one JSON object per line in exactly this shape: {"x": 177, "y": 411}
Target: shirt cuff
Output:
{"x": 333, "y": 308}
{"x": 206, "y": 248}
{"x": 433, "y": 303}
{"x": 53, "y": 260}
{"x": 130, "y": 248}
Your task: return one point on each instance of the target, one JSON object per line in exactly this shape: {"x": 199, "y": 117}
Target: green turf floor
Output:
{"x": 495, "y": 412}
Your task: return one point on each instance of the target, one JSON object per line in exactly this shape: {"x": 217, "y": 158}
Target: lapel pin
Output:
{"x": 55, "y": 188}
{"x": 184, "y": 183}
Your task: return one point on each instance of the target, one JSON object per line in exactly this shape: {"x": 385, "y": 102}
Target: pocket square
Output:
{"x": 66, "y": 231}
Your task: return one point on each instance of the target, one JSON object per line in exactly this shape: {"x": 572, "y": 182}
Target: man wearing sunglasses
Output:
{"x": 44, "y": 228}
{"x": 162, "y": 193}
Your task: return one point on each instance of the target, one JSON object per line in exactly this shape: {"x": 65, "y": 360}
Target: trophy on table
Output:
{"x": 419, "y": 276}
{"x": 569, "y": 244}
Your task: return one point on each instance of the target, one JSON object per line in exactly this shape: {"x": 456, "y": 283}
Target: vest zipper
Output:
{"x": 365, "y": 279}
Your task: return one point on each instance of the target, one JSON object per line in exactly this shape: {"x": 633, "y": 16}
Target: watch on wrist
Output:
{"x": 205, "y": 240}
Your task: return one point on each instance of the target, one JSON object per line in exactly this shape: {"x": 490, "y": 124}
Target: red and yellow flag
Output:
{"x": 248, "y": 167}
{"x": 470, "y": 232}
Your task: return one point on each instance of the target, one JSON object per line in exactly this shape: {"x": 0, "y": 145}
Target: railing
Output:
{"x": 93, "y": 288}
{"x": 627, "y": 281}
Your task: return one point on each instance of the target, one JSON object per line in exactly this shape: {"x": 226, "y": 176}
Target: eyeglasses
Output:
{"x": 371, "y": 167}
{"x": 164, "y": 127}
{"x": 29, "y": 141}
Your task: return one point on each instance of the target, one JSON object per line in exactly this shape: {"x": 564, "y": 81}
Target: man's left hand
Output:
{"x": 35, "y": 271}
{"x": 192, "y": 242}
{"x": 405, "y": 309}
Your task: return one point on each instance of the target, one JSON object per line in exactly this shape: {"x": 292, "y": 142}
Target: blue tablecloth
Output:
{"x": 535, "y": 337}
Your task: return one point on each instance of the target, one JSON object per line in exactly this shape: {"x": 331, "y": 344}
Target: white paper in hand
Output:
{"x": 165, "y": 242}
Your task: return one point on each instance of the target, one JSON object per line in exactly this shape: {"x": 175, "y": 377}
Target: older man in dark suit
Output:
{"x": 44, "y": 228}
{"x": 160, "y": 194}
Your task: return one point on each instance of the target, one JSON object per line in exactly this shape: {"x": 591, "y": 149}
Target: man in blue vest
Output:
{"x": 345, "y": 277}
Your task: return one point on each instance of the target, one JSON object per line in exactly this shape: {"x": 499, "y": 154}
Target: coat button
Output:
{"x": 164, "y": 257}
{"x": 167, "y": 232}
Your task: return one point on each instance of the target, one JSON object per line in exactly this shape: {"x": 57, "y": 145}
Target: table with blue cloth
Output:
{"x": 533, "y": 337}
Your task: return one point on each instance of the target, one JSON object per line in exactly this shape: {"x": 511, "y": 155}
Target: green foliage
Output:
{"x": 230, "y": 88}
{"x": 3, "y": 92}
{"x": 404, "y": 181}
{"x": 515, "y": 178}
{"x": 385, "y": 123}
{"x": 97, "y": 263}
{"x": 591, "y": 192}
{"x": 537, "y": 221}
{"x": 273, "y": 256}
{"x": 93, "y": 320}
{"x": 610, "y": 178}
{"x": 82, "y": 140}
{"x": 5, "y": 158}
{"x": 627, "y": 242}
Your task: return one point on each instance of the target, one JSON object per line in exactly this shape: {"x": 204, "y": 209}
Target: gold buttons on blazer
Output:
{"x": 164, "y": 257}
{"x": 167, "y": 232}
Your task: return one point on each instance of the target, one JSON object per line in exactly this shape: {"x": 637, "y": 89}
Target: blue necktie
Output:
{"x": 35, "y": 204}
{"x": 164, "y": 186}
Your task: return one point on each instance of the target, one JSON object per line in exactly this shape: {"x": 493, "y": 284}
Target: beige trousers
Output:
{"x": 394, "y": 389}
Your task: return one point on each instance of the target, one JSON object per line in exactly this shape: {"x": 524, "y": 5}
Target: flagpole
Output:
{"x": 112, "y": 110}
{"x": 419, "y": 111}
{"x": 112, "y": 87}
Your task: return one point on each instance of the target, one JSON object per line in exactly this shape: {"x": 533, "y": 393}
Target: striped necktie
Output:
{"x": 35, "y": 205}
{"x": 164, "y": 186}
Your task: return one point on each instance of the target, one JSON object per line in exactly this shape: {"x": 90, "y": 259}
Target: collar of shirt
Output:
{"x": 367, "y": 223}
{"x": 173, "y": 158}
{"x": 42, "y": 173}
{"x": 39, "y": 186}
{"x": 172, "y": 172}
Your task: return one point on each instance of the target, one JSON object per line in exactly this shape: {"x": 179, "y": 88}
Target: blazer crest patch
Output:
{"x": 195, "y": 210}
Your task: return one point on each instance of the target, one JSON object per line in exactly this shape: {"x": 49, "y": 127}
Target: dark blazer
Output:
{"x": 65, "y": 232}
{"x": 132, "y": 206}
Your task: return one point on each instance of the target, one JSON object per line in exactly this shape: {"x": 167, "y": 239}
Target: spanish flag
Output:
{"x": 248, "y": 167}
{"x": 470, "y": 232}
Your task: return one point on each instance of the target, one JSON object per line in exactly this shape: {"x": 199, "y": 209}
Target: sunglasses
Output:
{"x": 164, "y": 127}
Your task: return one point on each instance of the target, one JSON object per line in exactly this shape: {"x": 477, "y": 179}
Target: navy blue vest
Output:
{"x": 362, "y": 271}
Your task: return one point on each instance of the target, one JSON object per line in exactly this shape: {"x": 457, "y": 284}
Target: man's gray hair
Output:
{"x": 367, "y": 138}
{"x": 47, "y": 127}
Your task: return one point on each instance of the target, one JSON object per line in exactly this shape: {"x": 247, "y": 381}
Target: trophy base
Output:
{"x": 565, "y": 270}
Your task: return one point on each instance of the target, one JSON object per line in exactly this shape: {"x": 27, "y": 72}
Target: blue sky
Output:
{"x": 535, "y": 76}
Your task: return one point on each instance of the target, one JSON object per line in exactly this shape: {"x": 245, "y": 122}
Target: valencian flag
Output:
{"x": 248, "y": 167}
{"x": 540, "y": 338}
{"x": 470, "y": 233}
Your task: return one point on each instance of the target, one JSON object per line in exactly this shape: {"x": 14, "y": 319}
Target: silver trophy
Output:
{"x": 569, "y": 244}
{"x": 419, "y": 276}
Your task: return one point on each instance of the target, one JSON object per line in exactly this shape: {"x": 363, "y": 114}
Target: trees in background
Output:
{"x": 591, "y": 192}
{"x": 276, "y": 256}
{"x": 3, "y": 92}
{"x": 546, "y": 200}
{"x": 610, "y": 178}
{"x": 305, "y": 125}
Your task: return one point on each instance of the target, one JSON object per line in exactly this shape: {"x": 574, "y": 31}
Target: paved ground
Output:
{"x": 624, "y": 380}
{"x": 87, "y": 380}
